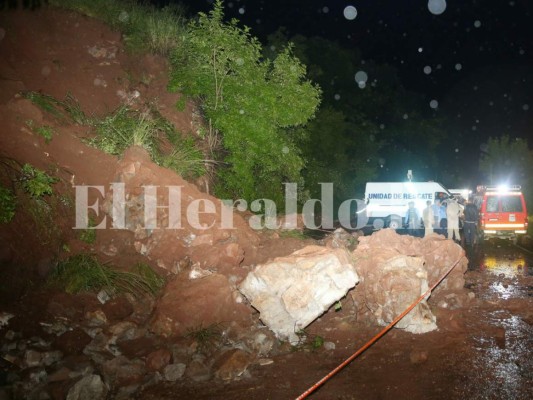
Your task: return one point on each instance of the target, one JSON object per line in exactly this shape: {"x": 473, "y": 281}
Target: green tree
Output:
{"x": 252, "y": 102}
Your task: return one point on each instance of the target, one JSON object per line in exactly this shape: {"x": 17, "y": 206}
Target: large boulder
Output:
{"x": 396, "y": 270}
{"x": 191, "y": 304}
{"x": 290, "y": 292}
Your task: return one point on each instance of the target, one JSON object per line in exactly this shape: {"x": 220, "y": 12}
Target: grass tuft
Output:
{"x": 7, "y": 205}
{"x": 83, "y": 272}
{"x": 145, "y": 27}
{"x": 207, "y": 338}
{"x": 61, "y": 110}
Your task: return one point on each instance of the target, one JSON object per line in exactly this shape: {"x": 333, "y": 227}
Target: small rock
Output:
{"x": 173, "y": 372}
{"x": 62, "y": 374}
{"x": 329, "y": 346}
{"x": 103, "y": 297}
{"x": 158, "y": 359}
{"x": 45, "y": 71}
{"x": 32, "y": 358}
{"x": 122, "y": 372}
{"x": 90, "y": 387}
{"x": 198, "y": 371}
{"x": 231, "y": 364}
{"x": 265, "y": 361}
{"x": 96, "y": 318}
{"x": 471, "y": 295}
{"x": 51, "y": 357}
{"x": 72, "y": 342}
{"x": 418, "y": 356}
{"x": 4, "y": 318}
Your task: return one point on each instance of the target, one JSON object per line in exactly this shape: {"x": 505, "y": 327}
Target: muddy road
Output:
{"x": 483, "y": 349}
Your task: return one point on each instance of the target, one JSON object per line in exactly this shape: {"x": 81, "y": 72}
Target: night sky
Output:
{"x": 475, "y": 59}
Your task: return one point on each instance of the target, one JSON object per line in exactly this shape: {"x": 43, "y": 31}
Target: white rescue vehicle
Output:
{"x": 387, "y": 202}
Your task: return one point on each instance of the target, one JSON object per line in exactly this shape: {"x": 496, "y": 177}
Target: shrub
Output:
{"x": 35, "y": 182}
{"x": 253, "y": 102}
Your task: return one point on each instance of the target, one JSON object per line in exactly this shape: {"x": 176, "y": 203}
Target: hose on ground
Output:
{"x": 376, "y": 337}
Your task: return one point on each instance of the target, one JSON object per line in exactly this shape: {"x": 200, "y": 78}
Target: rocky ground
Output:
{"x": 203, "y": 336}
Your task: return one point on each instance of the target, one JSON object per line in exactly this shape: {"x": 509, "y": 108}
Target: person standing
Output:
{"x": 471, "y": 220}
{"x": 412, "y": 219}
{"x": 436, "y": 215}
{"x": 428, "y": 218}
{"x": 452, "y": 214}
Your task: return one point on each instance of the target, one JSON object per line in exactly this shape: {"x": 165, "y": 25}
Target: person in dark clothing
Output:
{"x": 471, "y": 214}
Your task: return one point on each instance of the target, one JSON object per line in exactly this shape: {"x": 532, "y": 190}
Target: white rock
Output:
{"x": 291, "y": 292}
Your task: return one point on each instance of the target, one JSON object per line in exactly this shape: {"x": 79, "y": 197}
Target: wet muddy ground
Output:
{"x": 482, "y": 350}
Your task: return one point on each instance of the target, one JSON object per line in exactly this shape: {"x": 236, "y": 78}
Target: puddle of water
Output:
{"x": 509, "y": 267}
{"x": 504, "y": 363}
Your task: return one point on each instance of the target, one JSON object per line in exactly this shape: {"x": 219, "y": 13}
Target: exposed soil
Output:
{"x": 481, "y": 350}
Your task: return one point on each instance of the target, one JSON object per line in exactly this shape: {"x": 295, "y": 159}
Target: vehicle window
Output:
{"x": 511, "y": 204}
{"x": 492, "y": 204}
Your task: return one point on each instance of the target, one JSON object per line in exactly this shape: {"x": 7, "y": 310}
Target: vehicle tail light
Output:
{"x": 482, "y": 219}
{"x": 526, "y": 222}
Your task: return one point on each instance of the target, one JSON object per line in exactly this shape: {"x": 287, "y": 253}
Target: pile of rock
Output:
{"x": 99, "y": 349}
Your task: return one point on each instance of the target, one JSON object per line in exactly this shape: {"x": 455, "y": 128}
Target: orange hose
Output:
{"x": 375, "y": 338}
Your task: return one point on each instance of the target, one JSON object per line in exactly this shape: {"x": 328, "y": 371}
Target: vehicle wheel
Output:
{"x": 395, "y": 223}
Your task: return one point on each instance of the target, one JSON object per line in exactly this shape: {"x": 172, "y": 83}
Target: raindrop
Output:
{"x": 477, "y": 23}
{"x": 483, "y": 147}
{"x": 457, "y": 150}
{"x": 439, "y": 66}
{"x": 362, "y": 85}
{"x": 433, "y": 104}
{"x": 474, "y": 128}
{"x": 436, "y": 7}
{"x": 285, "y": 149}
{"x": 477, "y": 121}
{"x": 337, "y": 97}
{"x": 405, "y": 116}
{"x": 123, "y": 16}
{"x": 371, "y": 138}
{"x": 230, "y": 5}
{"x": 273, "y": 48}
{"x": 239, "y": 61}
{"x": 491, "y": 103}
{"x": 361, "y": 77}
{"x": 381, "y": 126}
{"x": 241, "y": 111}
{"x": 420, "y": 49}
{"x": 350, "y": 12}
{"x": 525, "y": 107}
{"x": 475, "y": 88}
{"x": 458, "y": 67}
{"x": 325, "y": 10}
{"x": 521, "y": 52}
{"x": 427, "y": 70}
{"x": 241, "y": 10}
{"x": 511, "y": 3}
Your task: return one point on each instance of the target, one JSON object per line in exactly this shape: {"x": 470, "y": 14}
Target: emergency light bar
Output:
{"x": 503, "y": 188}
